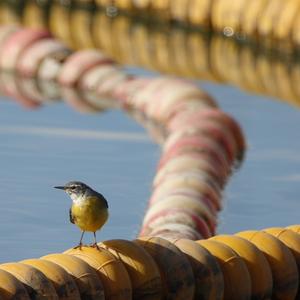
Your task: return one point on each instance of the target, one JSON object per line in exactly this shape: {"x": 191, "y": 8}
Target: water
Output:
{"x": 34, "y": 215}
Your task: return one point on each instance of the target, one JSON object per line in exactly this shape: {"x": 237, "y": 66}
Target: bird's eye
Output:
{"x": 73, "y": 187}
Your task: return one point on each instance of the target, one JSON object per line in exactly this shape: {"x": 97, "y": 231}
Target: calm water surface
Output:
{"x": 119, "y": 159}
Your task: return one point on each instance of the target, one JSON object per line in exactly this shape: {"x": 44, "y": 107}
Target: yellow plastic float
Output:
{"x": 111, "y": 271}
{"x": 63, "y": 283}
{"x": 292, "y": 240}
{"x": 175, "y": 269}
{"x": 249, "y": 265}
{"x": 38, "y": 286}
{"x": 209, "y": 281}
{"x": 236, "y": 287}
{"x": 85, "y": 277}
{"x": 257, "y": 265}
{"x": 11, "y": 287}
{"x": 295, "y": 228}
{"x": 281, "y": 261}
{"x": 142, "y": 270}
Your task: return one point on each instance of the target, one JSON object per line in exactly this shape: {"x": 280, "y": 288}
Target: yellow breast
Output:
{"x": 89, "y": 215}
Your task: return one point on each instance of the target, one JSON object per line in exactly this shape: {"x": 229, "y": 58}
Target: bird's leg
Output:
{"x": 95, "y": 245}
{"x": 80, "y": 242}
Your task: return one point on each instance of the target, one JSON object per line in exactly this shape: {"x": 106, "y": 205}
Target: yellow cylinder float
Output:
{"x": 111, "y": 271}
{"x": 295, "y": 228}
{"x": 237, "y": 281}
{"x": 84, "y": 276}
{"x": 257, "y": 265}
{"x": 292, "y": 240}
{"x": 209, "y": 282}
{"x": 63, "y": 283}
{"x": 11, "y": 287}
{"x": 282, "y": 263}
{"x": 176, "y": 272}
{"x": 38, "y": 286}
{"x": 142, "y": 270}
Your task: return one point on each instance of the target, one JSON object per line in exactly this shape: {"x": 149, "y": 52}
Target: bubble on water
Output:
{"x": 41, "y": 2}
{"x": 111, "y": 11}
{"x": 241, "y": 36}
{"x": 65, "y": 2}
{"x": 228, "y": 31}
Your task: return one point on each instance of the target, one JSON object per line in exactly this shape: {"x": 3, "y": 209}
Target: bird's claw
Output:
{"x": 95, "y": 245}
{"x": 79, "y": 246}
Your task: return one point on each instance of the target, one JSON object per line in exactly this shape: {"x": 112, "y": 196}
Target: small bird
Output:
{"x": 89, "y": 210}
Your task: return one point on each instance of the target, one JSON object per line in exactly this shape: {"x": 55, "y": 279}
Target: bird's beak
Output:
{"x": 59, "y": 187}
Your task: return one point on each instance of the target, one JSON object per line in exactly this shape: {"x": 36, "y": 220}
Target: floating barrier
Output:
{"x": 281, "y": 261}
{"x": 247, "y": 265}
{"x": 61, "y": 280}
{"x": 85, "y": 277}
{"x": 151, "y": 266}
{"x": 170, "y": 49}
{"x": 110, "y": 270}
{"x": 273, "y": 20}
{"x": 201, "y": 144}
{"x": 142, "y": 269}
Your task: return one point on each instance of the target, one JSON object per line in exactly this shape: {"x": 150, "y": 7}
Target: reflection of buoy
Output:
{"x": 235, "y": 286}
{"x": 175, "y": 269}
{"x": 11, "y": 287}
{"x": 78, "y": 63}
{"x": 281, "y": 261}
{"x": 16, "y": 43}
{"x": 76, "y": 100}
{"x": 85, "y": 277}
{"x": 11, "y": 87}
{"x": 63, "y": 283}
{"x": 209, "y": 282}
{"x": 30, "y": 59}
{"x": 38, "y": 286}
{"x": 142, "y": 270}
{"x": 257, "y": 265}
{"x": 111, "y": 271}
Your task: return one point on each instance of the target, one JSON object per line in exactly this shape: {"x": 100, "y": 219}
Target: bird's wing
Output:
{"x": 104, "y": 201}
{"x": 71, "y": 216}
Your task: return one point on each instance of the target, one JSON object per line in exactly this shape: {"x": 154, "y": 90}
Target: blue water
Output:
{"x": 121, "y": 165}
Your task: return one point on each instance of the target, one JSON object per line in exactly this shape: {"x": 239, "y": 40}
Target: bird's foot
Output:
{"x": 79, "y": 246}
{"x": 95, "y": 245}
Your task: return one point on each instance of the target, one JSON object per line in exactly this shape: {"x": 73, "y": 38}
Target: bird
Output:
{"x": 89, "y": 210}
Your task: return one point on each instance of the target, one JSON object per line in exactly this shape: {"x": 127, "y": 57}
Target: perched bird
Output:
{"x": 89, "y": 210}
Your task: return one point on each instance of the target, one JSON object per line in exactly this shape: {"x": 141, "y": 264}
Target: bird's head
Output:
{"x": 74, "y": 188}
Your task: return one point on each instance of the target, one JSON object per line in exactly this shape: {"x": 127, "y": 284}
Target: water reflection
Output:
{"x": 33, "y": 93}
{"x": 169, "y": 49}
